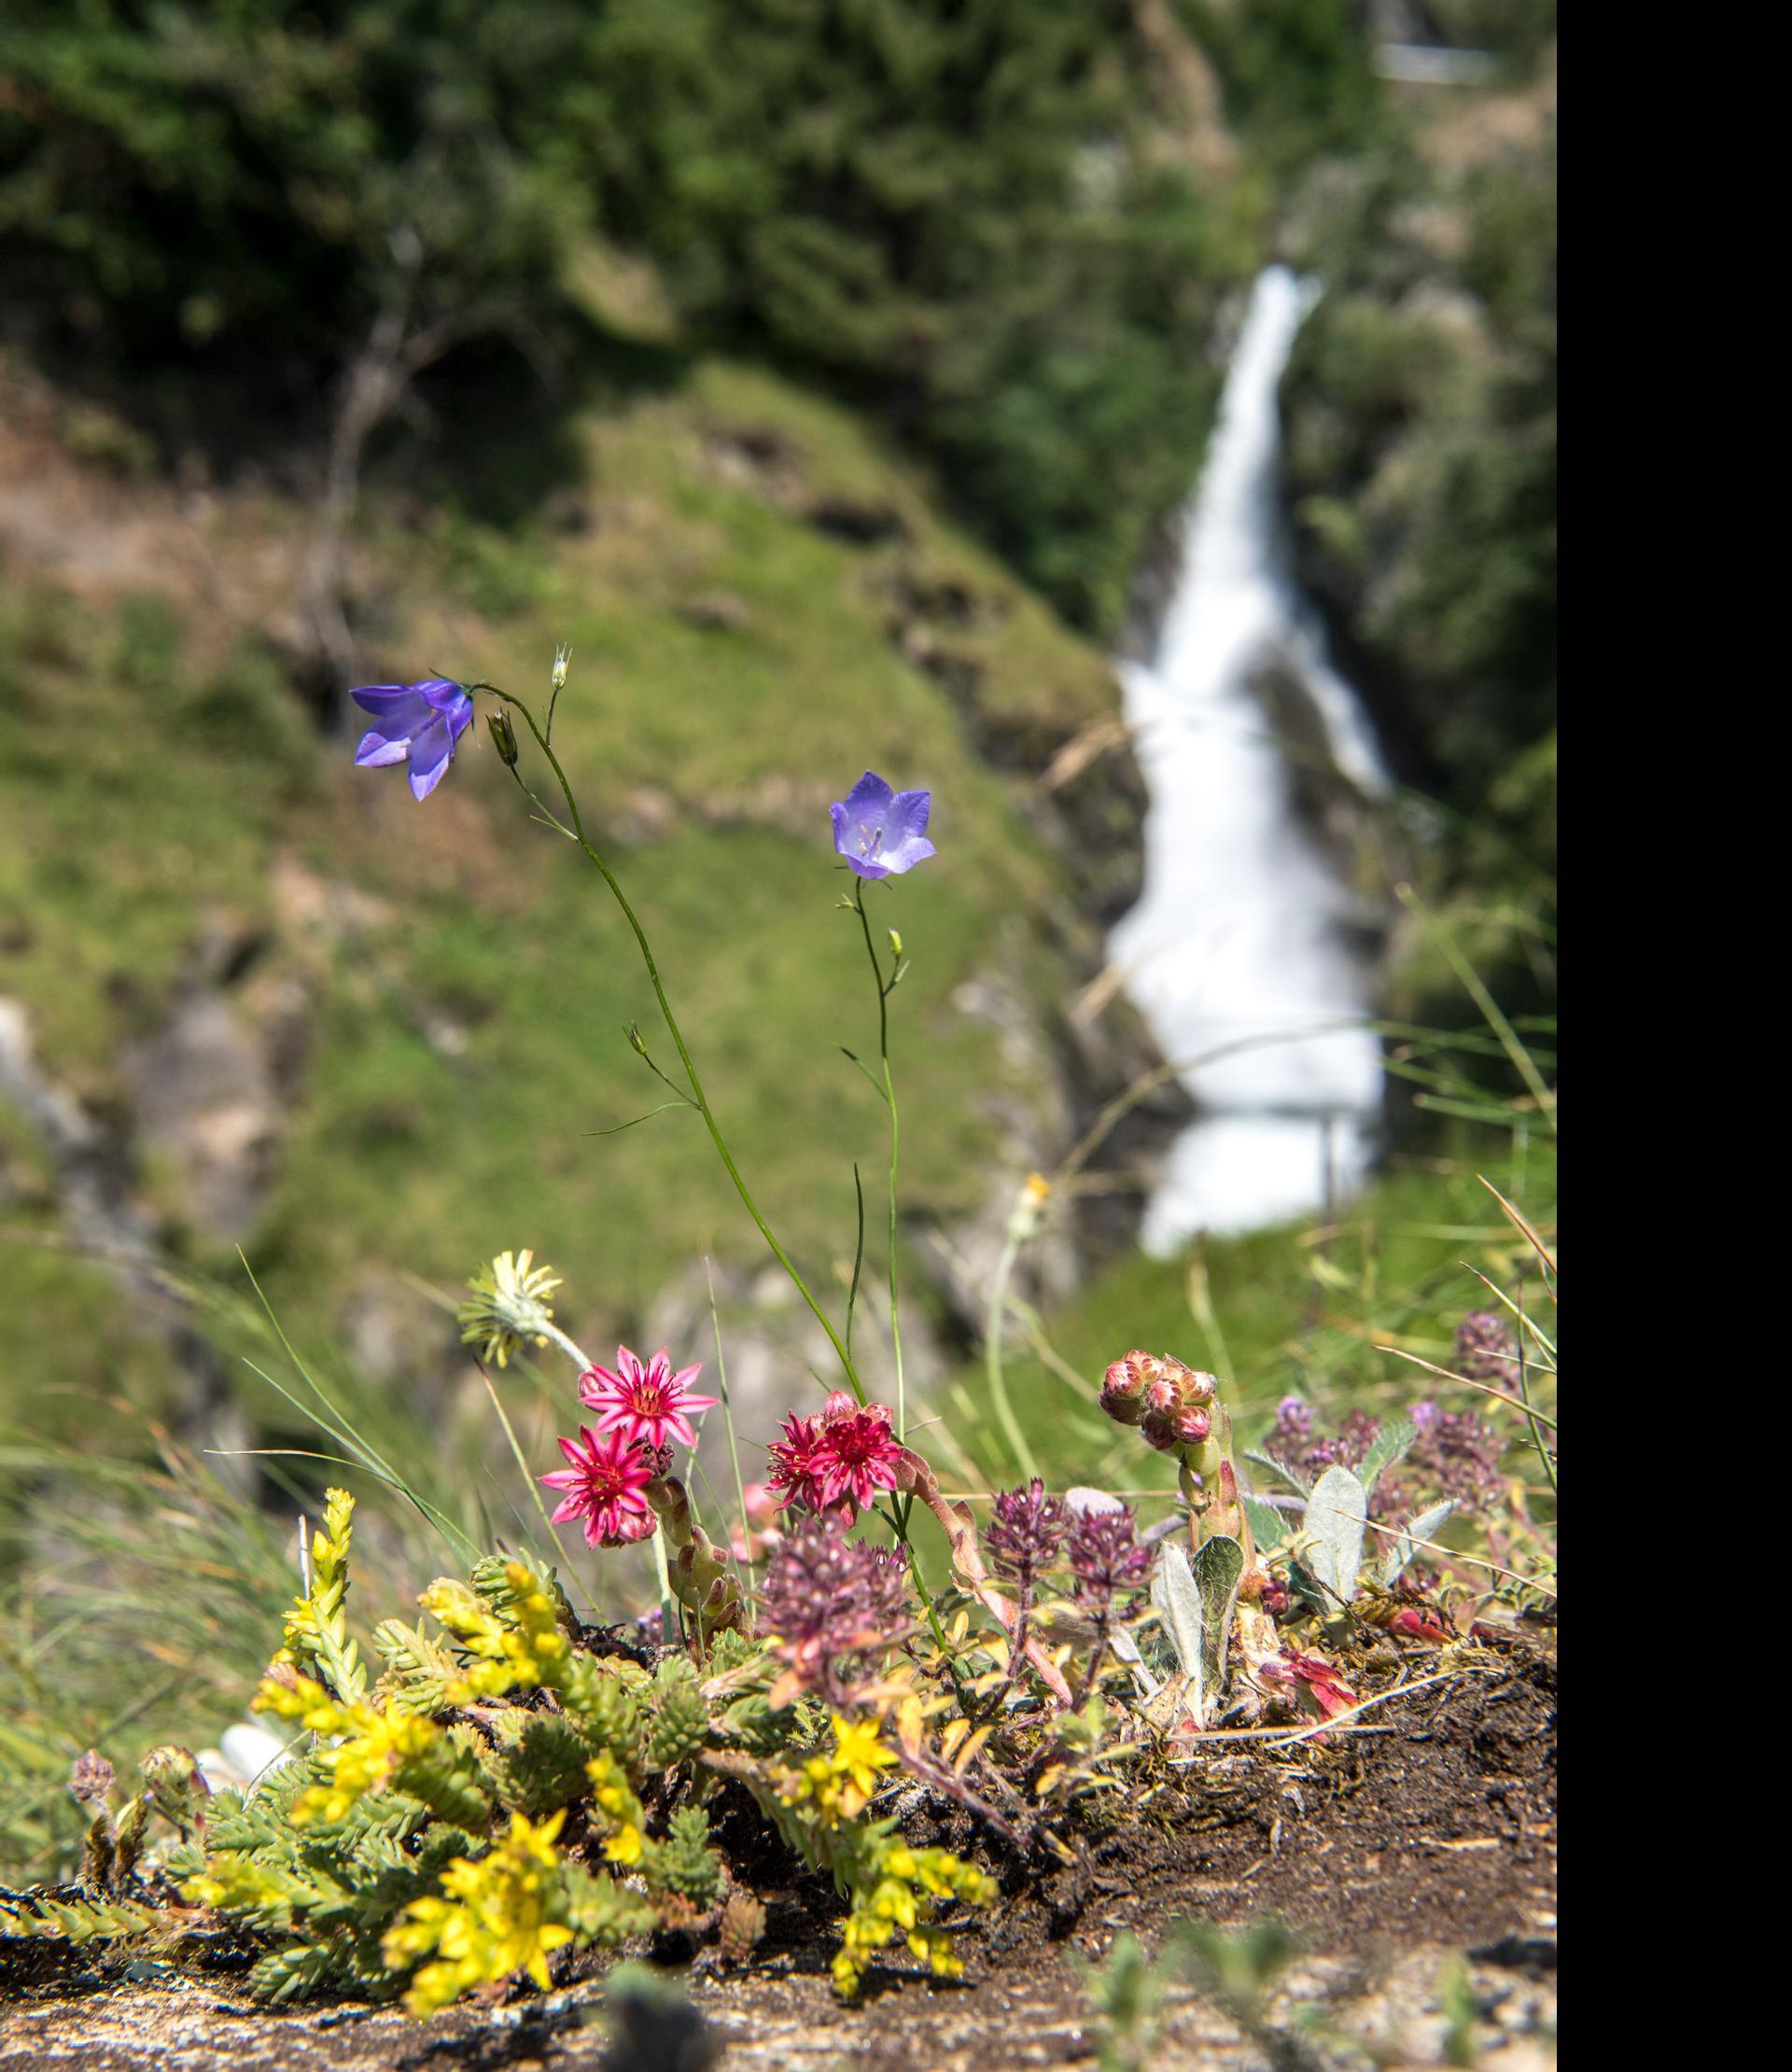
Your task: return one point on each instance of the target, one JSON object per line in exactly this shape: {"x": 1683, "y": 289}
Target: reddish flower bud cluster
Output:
{"x": 837, "y": 1459}
{"x": 826, "y": 1601}
{"x": 1170, "y": 1404}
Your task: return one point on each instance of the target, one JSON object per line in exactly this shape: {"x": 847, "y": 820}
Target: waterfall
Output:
{"x": 1238, "y": 952}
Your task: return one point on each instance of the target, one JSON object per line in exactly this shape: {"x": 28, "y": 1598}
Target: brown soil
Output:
{"x": 1389, "y": 1851}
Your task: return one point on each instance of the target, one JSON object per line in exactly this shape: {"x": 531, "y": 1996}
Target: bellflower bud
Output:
{"x": 503, "y": 737}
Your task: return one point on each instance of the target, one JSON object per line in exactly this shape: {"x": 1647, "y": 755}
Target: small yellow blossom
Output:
{"x": 618, "y": 1809}
{"x": 379, "y": 1743}
{"x": 858, "y": 1755}
{"x": 526, "y": 1650}
{"x": 626, "y": 1846}
{"x": 840, "y": 1784}
{"x": 499, "y": 1914}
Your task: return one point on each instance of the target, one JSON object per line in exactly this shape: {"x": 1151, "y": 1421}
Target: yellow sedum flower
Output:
{"x": 896, "y": 1900}
{"x": 379, "y": 1743}
{"x": 499, "y": 1915}
{"x": 841, "y": 1784}
{"x": 528, "y": 1654}
{"x": 858, "y": 1755}
{"x": 371, "y": 1743}
{"x": 618, "y": 1809}
{"x": 507, "y": 1308}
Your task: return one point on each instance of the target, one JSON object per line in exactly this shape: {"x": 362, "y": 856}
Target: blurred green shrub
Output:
{"x": 989, "y": 219}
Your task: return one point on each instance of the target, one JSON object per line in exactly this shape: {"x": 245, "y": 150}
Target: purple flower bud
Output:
{"x": 1105, "y": 1555}
{"x": 826, "y": 1601}
{"x": 1026, "y": 1532}
{"x": 1486, "y": 1349}
{"x": 1457, "y": 1454}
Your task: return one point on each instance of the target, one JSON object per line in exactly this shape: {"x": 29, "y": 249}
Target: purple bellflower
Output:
{"x": 419, "y": 723}
{"x": 881, "y": 833}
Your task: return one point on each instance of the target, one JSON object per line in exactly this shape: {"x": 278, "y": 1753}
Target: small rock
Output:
{"x": 716, "y": 611}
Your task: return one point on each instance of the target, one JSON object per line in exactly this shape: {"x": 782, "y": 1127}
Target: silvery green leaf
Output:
{"x": 1390, "y": 1447}
{"x": 1173, "y": 1591}
{"x": 1218, "y": 1566}
{"x": 1292, "y": 1477}
{"x": 1269, "y": 1526}
{"x": 1122, "y": 1643}
{"x": 1424, "y": 1527}
{"x": 1335, "y": 1511}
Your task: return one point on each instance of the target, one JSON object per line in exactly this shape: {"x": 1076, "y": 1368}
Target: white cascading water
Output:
{"x": 1237, "y": 946}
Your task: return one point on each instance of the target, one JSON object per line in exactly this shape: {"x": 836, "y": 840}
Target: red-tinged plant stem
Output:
{"x": 1017, "y": 1646}
{"x": 942, "y": 1777}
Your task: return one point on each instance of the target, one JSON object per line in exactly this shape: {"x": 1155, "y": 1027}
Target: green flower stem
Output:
{"x": 577, "y": 833}
{"x": 884, "y": 991}
{"x": 669, "y": 1622}
{"x": 535, "y": 1487}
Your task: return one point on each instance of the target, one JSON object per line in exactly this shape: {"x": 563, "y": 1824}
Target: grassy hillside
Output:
{"x": 435, "y": 997}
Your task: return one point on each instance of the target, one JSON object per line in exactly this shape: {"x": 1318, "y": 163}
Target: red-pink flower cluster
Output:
{"x": 837, "y": 1459}
{"x": 606, "y": 1480}
{"x": 1170, "y": 1402}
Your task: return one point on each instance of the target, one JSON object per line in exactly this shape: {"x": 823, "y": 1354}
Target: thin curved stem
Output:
{"x": 577, "y": 833}
{"x": 884, "y": 991}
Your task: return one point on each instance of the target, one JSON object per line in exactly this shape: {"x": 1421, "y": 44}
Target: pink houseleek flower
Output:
{"x": 605, "y": 1480}
{"x": 859, "y": 1454}
{"x": 838, "y": 1461}
{"x": 647, "y": 1403}
{"x": 797, "y": 1463}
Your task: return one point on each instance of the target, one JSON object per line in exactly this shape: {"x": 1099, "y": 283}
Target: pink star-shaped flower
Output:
{"x": 647, "y": 1403}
